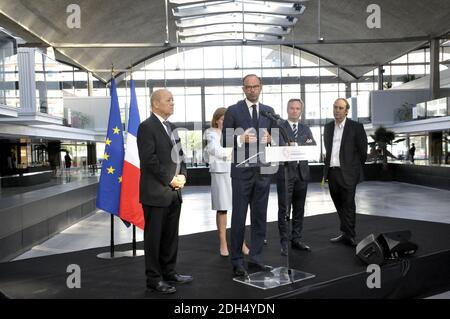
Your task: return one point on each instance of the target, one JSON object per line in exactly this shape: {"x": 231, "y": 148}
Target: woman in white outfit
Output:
{"x": 220, "y": 161}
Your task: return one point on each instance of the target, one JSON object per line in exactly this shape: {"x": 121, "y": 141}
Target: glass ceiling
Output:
{"x": 201, "y": 21}
{"x": 234, "y": 27}
{"x": 230, "y": 36}
{"x": 271, "y": 19}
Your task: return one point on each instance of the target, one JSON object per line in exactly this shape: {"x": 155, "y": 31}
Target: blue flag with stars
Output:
{"x": 108, "y": 191}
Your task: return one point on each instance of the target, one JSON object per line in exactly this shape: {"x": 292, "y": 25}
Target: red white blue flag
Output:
{"x": 130, "y": 208}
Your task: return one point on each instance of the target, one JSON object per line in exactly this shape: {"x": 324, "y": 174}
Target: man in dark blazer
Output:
{"x": 163, "y": 175}
{"x": 247, "y": 130}
{"x": 346, "y": 152}
{"x": 298, "y": 179}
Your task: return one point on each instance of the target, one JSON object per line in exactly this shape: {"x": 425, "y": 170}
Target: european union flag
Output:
{"x": 108, "y": 191}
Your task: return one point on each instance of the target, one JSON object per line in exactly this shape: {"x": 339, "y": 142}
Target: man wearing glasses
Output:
{"x": 346, "y": 152}
{"x": 248, "y": 132}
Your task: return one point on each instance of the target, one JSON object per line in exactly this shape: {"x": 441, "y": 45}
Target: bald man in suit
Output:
{"x": 163, "y": 175}
{"x": 346, "y": 152}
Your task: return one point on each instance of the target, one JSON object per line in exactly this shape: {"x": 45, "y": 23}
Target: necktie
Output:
{"x": 169, "y": 131}
{"x": 255, "y": 117}
{"x": 295, "y": 130}
{"x": 172, "y": 138}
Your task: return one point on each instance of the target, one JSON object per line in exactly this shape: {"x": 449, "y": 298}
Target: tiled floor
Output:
{"x": 374, "y": 198}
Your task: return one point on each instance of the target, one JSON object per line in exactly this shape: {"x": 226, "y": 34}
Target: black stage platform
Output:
{"x": 339, "y": 272}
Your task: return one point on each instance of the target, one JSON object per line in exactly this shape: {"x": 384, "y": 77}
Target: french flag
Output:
{"x": 130, "y": 208}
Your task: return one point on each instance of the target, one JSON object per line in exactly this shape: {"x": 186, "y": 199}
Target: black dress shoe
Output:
{"x": 347, "y": 240}
{"x": 239, "y": 271}
{"x": 338, "y": 239}
{"x": 162, "y": 287}
{"x": 254, "y": 266}
{"x": 297, "y": 244}
{"x": 178, "y": 279}
{"x": 350, "y": 241}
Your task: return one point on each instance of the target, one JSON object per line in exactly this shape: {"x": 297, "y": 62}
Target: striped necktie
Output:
{"x": 295, "y": 130}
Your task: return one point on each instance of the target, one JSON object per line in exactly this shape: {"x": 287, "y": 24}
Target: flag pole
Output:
{"x": 134, "y": 240}
{"x": 134, "y": 226}
{"x": 111, "y": 248}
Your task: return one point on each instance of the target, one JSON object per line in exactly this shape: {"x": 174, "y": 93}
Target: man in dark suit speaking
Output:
{"x": 346, "y": 152}
{"x": 248, "y": 132}
{"x": 163, "y": 175}
{"x": 297, "y": 182}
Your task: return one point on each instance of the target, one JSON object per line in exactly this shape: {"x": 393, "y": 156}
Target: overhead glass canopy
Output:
{"x": 210, "y": 7}
{"x": 201, "y": 21}
{"x": 235, "y": 27}
{"x": 278, "y": 20}
{"x": 230, "y": 36}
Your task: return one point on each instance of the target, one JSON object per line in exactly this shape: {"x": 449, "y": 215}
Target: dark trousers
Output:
{"x": 343, "y": 196}
{"x": 161, "y": 240}
{"x": 297, "y": 189}
{"x": 253, "y": 191}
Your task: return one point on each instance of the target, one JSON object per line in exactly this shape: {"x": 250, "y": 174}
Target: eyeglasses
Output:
{"x": 250, "y": 87}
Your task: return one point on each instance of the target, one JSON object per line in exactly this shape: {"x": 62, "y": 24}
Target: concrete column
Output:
{"x": 380, "y": 77}
{"x": 434, "y": 69}
{"x": 348, "y": 90}
{"x": 90, "y": 83}
{"x": 27, "y": 79}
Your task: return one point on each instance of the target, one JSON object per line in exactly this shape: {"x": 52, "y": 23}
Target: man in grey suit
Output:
{"x": 297, "y": 181}
{"x": 346, "y": 152}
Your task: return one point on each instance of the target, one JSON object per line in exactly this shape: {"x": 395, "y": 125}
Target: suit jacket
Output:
{"x": 303, "y": 134}
{"x": 353, "y": 152}
{"x": 157, "y": 166}
{"x": 216, "y": 153}
{"x": 237, "y": 120}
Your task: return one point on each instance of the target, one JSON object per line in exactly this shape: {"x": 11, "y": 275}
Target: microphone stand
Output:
{"x": 248, "y": 159}
{"x": 279, "y": 121}
{"x": 277, "y": 276}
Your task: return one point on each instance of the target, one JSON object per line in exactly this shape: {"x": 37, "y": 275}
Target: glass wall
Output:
{"x": 204, "y": 79}
{"x": 421, "y": 144}
{"x": 9, "y": 76}
{"x": 78, "y": 153}
{"x": 49, "y": 94}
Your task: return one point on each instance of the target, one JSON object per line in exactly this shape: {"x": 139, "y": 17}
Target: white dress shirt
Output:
{"x": 249, "y": 105}
{"x": 337, "y": 139}
{"x": 162, "y": 121}
{"x": 292, "y": 125}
